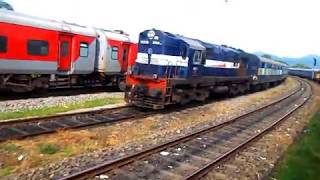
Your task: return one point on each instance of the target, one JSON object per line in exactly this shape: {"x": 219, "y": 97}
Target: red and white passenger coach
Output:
{"x": 38, "y": 53}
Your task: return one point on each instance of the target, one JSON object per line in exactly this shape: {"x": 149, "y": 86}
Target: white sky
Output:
{"x": 280, "y": 27}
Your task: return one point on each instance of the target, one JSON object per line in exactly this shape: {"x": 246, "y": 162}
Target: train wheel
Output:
{"x": 255, "y": 88}
{"x": 185, "y": 98}
{"x": 243, "y": 89}
{"x": 201, "y": 95}
{"x": 41, "y": 85}
{"x": 233, "y": 91}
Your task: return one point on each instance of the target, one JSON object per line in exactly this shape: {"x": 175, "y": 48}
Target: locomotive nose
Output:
{"x": 142, "y": 90}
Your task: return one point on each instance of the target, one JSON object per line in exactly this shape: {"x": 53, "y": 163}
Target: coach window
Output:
{"x": 203, "y": 57}
{"x": 124, "y": 55}
{"x": 84, "y": 49}
{"x": 114, "y": 53}
{"x": 3, "y": 44}
{"x": 65, "y": 49}
{"x": 38, "y": 47}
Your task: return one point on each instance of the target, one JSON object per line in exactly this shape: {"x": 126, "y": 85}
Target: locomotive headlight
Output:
{"x": 151, "y": 34}
{"x": 155, "y": 76}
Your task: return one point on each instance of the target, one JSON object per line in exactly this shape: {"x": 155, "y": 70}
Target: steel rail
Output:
{"x": 113, "y": 164}
{"x": 204, "y": 170}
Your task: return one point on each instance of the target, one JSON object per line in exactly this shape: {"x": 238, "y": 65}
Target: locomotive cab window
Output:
{"x": 183, "y": 52}
{"x": 204, "y": 58}
{"x": 197, "y": 57}
{"x": 38, "y": 47}
{"x": 84, "y": 49}
{"x": 3, "y": 44}
{"x": 114, "y": 53}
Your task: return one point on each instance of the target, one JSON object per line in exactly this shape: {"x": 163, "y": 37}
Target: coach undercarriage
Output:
{"x": 22, "y": 83}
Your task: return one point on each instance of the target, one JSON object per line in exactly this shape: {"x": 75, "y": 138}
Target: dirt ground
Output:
{"x": 257, "y": 160}
{"x": 78, "y": 148}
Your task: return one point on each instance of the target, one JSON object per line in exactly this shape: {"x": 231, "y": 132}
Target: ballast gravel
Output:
{"x": 133, "y": 136}
{"x": 259, "y": 159}
{"x": 36, "y": 103}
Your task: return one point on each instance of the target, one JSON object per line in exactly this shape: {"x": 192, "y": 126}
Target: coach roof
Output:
{"x": 27, "y": 20}
{"x": 302, "y": 69}
{"x": 263, "y": 59}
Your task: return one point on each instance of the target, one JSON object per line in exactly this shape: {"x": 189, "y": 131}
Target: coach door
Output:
{"x": 124, "y": 59}
{"x": 64, "y": 53}
{"x": 243, "y": 67}
{"x": 114, "y": 54}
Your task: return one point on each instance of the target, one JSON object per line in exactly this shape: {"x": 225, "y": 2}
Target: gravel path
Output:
{"x": 128, "y": 137}
{"x": 258, "y": 160}
{"x": 36, "y": 103}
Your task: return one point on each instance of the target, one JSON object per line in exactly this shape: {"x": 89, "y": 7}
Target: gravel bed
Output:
{"x": 258, "y": 160}
{"x": 36, "y": 103}
{"x": 164, "y": 128}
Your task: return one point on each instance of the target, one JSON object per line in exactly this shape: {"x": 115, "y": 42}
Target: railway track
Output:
{"x": 37, "y": 126}
{"x": 192, "y": 156}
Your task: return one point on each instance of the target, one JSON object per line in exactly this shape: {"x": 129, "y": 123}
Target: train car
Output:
{"x": 270, "y": 72}
{"x": 38, "y": 53}
{"x": 312, "y": 74}
{"x": 173, "y": 69}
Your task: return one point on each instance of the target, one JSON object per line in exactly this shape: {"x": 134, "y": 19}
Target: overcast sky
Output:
{"x": 281, "y": 27}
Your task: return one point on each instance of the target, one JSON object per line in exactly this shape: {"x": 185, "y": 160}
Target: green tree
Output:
{"x": 4, "y": 5}
{"x": 301, "y": 66}
{"x": 267, "y": 56}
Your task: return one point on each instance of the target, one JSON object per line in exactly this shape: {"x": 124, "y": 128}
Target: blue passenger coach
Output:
{"x": 312, "y": 74}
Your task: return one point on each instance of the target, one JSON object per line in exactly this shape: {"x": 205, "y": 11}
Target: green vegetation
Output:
{"x": 68, "y": 151}
{"x": 266, "y": 56}
{"x": 303, "y": 158}
{"x": 6, "y": 171}
{"x": 270, "y": 57}
{"x": 46, "y": 111}
{"x": 48, "y": 148}
{"x": 301, "y": 66}
{"x": 9, "y": 148}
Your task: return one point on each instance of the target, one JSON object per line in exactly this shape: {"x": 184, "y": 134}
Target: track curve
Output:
{"x": 193, "y": 155}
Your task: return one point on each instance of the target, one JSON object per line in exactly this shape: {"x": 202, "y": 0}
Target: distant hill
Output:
{"x": 4, "y": 5}
{"x": 306, "y": 60}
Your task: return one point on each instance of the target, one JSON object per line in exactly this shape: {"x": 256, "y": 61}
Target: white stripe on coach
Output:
{"x": 162, "y": 60}
{"x": 221, "y": 64}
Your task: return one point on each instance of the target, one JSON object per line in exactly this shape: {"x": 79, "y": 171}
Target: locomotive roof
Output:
{"x": 263, "y": 59}
{"x": 193, "y": 43}
{"x": 27, "y": 20}
{"x": 223, "y": 47}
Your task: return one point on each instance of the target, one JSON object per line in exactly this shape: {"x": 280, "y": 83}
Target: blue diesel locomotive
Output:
{"x": 174, "y": 69}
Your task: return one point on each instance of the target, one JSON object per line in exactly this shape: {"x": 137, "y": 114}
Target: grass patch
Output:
{"x": 9, "y": 148}
{"x": 46, "y": 111}
{"x": 48, "y": 148}
{"x": 302, "y": 160}
{"x": 68, "y": 151}
{"x": 6, "y": 171}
